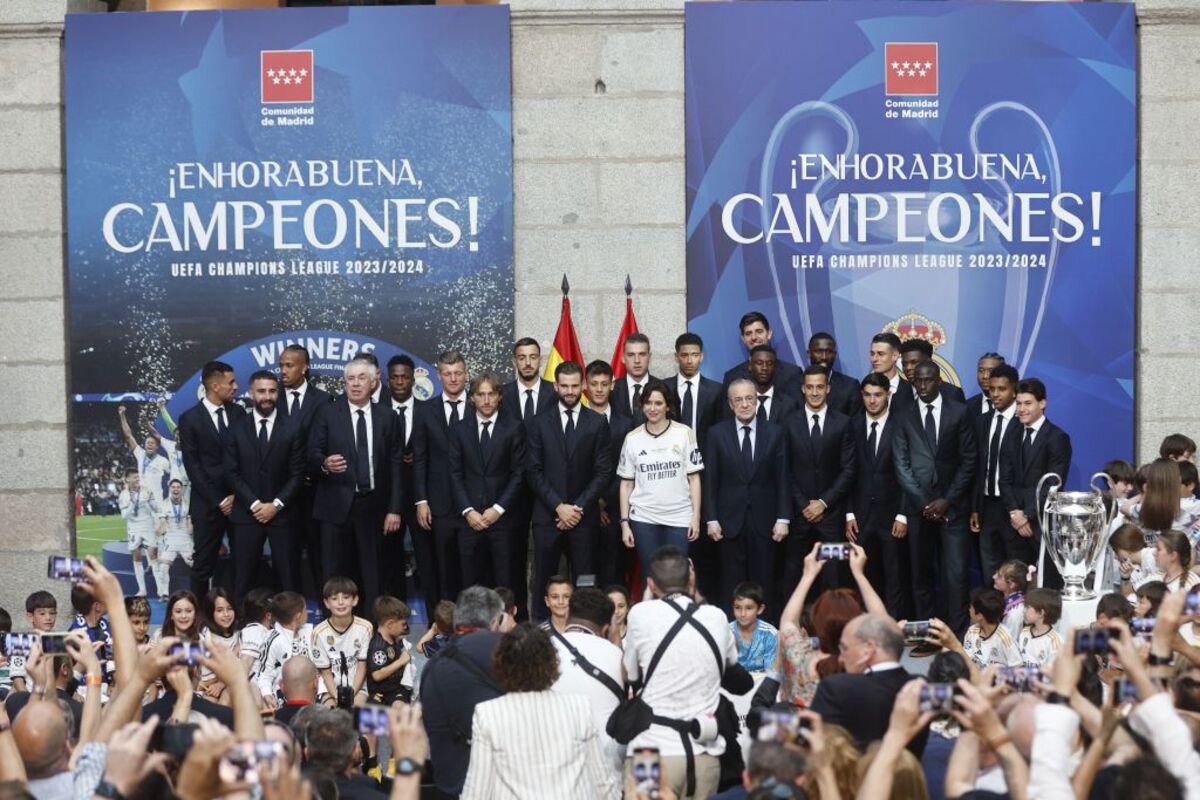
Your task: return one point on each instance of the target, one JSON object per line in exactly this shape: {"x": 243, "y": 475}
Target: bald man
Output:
{"x": 299, "y": 684}
{"x": 43, "y": 735}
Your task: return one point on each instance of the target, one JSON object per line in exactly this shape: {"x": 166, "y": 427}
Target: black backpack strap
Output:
{"x": 712, "y": 643}
{"x": 451, "y": 652}
{"x": 591, "y": 669}
{"x": 674, "y": 630}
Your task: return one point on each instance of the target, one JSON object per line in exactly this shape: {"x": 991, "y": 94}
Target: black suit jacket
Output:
{"x": 407, "y": 430}
{"x": 431, "y": 456}
{"x": 827, "y": 474}
{"x": 204, "y": 453}
{"x": 877, "y": 494}
{"x": 1050, "y": 452}
{"x": 275, "y": 474}
{"x": 862, "y": 704}
{"x": 975, "y": 408}
{"x": 845, "y": 394}
{"x": 562, "y": 472}
{"x": 333, "y": 432}
{"x": 788, "y": 377}
{"x": 618, "y": 428}
{"x": 480, "y": 479}
{"x": 619, "y": 400}
{"x": 731, "y": 496}
{"x": 512, "y": 399}
{"x": 904, "y": 399}
{"x": 314, "y": 399}
{"x": 707, "y": 399}
{"x": 927, "y": 475}
{"x": 783, "y": 407}
{"x": 982, "y": 425}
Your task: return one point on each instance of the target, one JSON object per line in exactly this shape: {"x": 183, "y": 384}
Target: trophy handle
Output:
{"x": 1045, "y": 507}
{"x": 1109, "y": 513}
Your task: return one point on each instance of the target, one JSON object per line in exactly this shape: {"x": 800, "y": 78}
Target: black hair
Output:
{"x": 339, "y": 584}
{"x": 763, "y": 348}
{"x": 526, "y": 341}
{"x": 256, "y": 604}
{"x": 688, "y": 338}
{"x": 669, "y": 567}
{"x": 749, "y": 590}
{"x": 887, "y": 338}
{"x": 636, "y": 338}
{"x": 592, "y": 605}
{"x": 947, "y": 667}
{"x": 1006, "y": 371}
{"x": 567, "y": 368}
{"x": 817, "y": 369}
{"x": 988, "y": 603}
{"x": 820, "y": 335}
{"x": 507, "y": 598}
{"x": 81, "y": 600}
{"x": 264, "y": 375}
{"x": 212, "y": 369}
{"x": 878, "y": 380}
{"x": 751, "y": 317}
{"x": 599, "y": 367}
{"x": 917, "y": 345}
{"x": 1032, "y": 386}
{"x": 41, "y": 599}
{"x": 1176, "y": 445}
{"x": 401, "y": 360}
{"x": 1114, "y": 606}
{"x": 297, "y": 348}
{"x": 556, "y": 579}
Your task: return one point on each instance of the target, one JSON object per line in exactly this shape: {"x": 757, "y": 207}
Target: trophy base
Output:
{"x": 1077, "y": 593}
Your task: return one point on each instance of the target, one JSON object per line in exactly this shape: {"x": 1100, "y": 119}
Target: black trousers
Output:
{"x": 354, "y": 548}
{"x": 208, "y": 529}
{"x": 611, "y": 552}
{"x": 248, "y": 551}
{"x": 549, "y": 546}
{"x": 521, "y": 535}
{"x": 993, "y": 529}
{"x": 392, "y": 580}
{"x": 706, "y": 559}
{"x": 947, "y": 543}
{"x": 444, "y": 534}
{"x": 486, "y": 558}
{"x": 428, "y": 574}
{"x": 887, "y": 566}
{"x": 308, "y": 538}
{"x": 748, "y": 555}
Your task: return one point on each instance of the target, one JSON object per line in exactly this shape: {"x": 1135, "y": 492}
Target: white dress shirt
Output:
{"x": 769, "y": 394}
{"x": 820, "y": 413}
{"x": 1036, "y": 426}
{"x": 300, "y": 391}
{"x": 409, "y": 407}
{"x": 491, "y": 423}
{"x": 922, "y": 409}
{"x": 523, "y": 392}
{"x": 630, "y": 383}
{"x": 366, "y": 409}
{"x": 562, "y": 415}
{"x": 212, "y": 413}
{"x": 681, "y": 387}
{"x": 447, "y": 405}
{"x": 893, "y": 384}
{"x": 985, "y": 405}
{"x": 1003, "y": 419}
{"x": 258, "y": 421}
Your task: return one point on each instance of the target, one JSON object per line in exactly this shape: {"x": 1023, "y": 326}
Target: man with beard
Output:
{"x": 568, "y": 465}
{"x": 264, "y": 464}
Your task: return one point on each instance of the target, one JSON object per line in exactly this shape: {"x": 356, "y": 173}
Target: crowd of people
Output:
{"x": 700, "y": 589}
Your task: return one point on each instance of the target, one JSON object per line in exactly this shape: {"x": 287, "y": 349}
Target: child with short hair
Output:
{"x": 291, "y": 636}
{"x": 91, "y": 617}
{"x": 1177, "y": 447}
{"x": 756, "y": 638}
{"x": 390, "y": 672}
{"x": 41, "y": 612}
{"x": 340, "y": 643}
{"x": 256, "y": 613}
{"x": 138, "y": 611}
{"x": 1039, "y": 643}
{"x": 1134, "y": 558}
{"x": 508, "y": 600}
{"x": 440, "y": 631}
{"x": 1113, "y": 606}
{"x": 1012, "y": 579}
{"x": 987, "y": 640}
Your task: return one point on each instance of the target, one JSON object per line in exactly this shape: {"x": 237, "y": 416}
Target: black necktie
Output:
{"x": 687, "y": 405}
{"x": 485, "y": 438}
{"x": 762, "y": 408}
{"x": 570, "y": 429}
{"x": 1026, "y": 446}
{"x": 362, "y": 466}
{"x": 221, "y": 426}
{"x": 403, "y": 421}
{"x": 873, "y": 439}
{"x": 262, "y": 436}
{"x": 747, "y": 450}
{"x": 994, "y": 457}
{"x": 635, "y": 407}
{"x": 454, "y": 410}
{"x": 816, "y": 433}
{"x": 295, "y": 404}
{"x": 527, "y": 413}
{"x": 930, "y": 426}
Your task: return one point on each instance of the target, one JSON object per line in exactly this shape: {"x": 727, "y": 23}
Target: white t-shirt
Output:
{"x": 659, "y": 467}
{"x": 329, "y": 645}
{"x": 606, "y": 657}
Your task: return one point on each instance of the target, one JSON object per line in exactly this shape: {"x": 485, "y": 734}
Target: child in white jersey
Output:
{"x": 1012, "y": 580}
{"x": 339, "y": 645}
{"x": 987, "y": 640}
{"x": 256, "y": 614}
{"x": 291, "y": 636}
{"x": 1039, "y": 643}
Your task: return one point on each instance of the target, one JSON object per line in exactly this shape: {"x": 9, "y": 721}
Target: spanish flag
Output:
{"x": 627, "y": 327}
{"x": 566, "y": 344}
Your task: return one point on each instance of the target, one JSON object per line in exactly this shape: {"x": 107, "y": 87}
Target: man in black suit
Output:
{"x": 935, "y": 464}
{"x": 774, "y": 405}
{"x": 299, "y": 401}
{"x": 989, "y": 515}
{"x": 821, "y": 448}
{"x": 487, "y": 459}
{"x": 844, "y": 391}
{"x": 747, "y": 495}
{"x": 861, "y": 698}
{"x": 912, "y": 353}
{"x": 980, "y": 404}
{"x": 568, "y": 465}
{"x": 1037, "y": 446}
{"x": 627, "y": 391}
{"x": 202, "y": 431}
{"x": 354, "y": 451}
{"x": 437, "y": 518}
{"x": 264, "y": 462}
{"x": 613, "y": 557}
{"x": 875, "y": 518}
{"x": 401, "y": 376}
{"x": 755, "y": 330}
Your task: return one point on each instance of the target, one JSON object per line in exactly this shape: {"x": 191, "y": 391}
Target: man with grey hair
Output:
{"x": 861, "y": 698}
{"x": 456, "y": 680}
{"x": 331, "y": 745}
{"x": 355, "y": 450}
{"x": 746, "y": 494}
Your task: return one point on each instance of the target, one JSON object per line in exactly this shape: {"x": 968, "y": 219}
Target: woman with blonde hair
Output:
{"x": 908, "y": 781}
{"x": 843, "y": 759}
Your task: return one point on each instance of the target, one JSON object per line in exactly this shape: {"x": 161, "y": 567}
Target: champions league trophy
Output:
{"x": 1074, "y": 532}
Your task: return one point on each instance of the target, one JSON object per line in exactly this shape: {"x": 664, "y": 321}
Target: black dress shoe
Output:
{"x": 925, "y": 650}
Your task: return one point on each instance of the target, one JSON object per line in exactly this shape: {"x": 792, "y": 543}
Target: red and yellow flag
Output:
{"x": 566, "y": 343}
{"x": 627, "y": 327}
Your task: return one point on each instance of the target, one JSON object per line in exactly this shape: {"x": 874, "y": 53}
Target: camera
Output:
{"x": 18, "y": 644}
{"x": 188, "y": 652}
{"x": 1124, "y": 691}
{"x": 240, "y": 763}
{"x": 1191, "y": 604}
{"x": 65, "y": 568}
{"x": 1142, "y": 626}
{"x": 585, "y": 581}
{"x": 937, "y": 697}
{"x": 833, "y": 552}
{"x": 54, "y": 644}
{"x": 345, "y": 698}
{"x": 174, "y": 739}
{"x": 916, "y": 632}
{"x": 1092, "y": 641}
{"x": 780, "y": 726}
{"x": 372, "y": 720}
{"x": 1021, "y": 679}
{"x": 646, "y": 768}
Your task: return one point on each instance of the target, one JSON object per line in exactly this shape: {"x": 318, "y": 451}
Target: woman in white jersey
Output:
{"x": 660, "y": 480}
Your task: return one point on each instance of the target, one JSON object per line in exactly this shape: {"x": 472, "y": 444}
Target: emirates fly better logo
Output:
{"x": 287, "y": 76}
{"x": 911, "y": 68}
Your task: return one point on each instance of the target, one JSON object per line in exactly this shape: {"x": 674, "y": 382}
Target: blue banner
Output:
{"x": 241, "y": 179}
{"x": 963, "y": 172}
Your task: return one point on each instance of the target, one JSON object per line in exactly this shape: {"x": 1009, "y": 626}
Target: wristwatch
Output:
{"x": 106, "y": 789}
{"x": 406, "y": 767}
{"x": 1058, "y": 698}
{"x": 1160, "y": 661}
